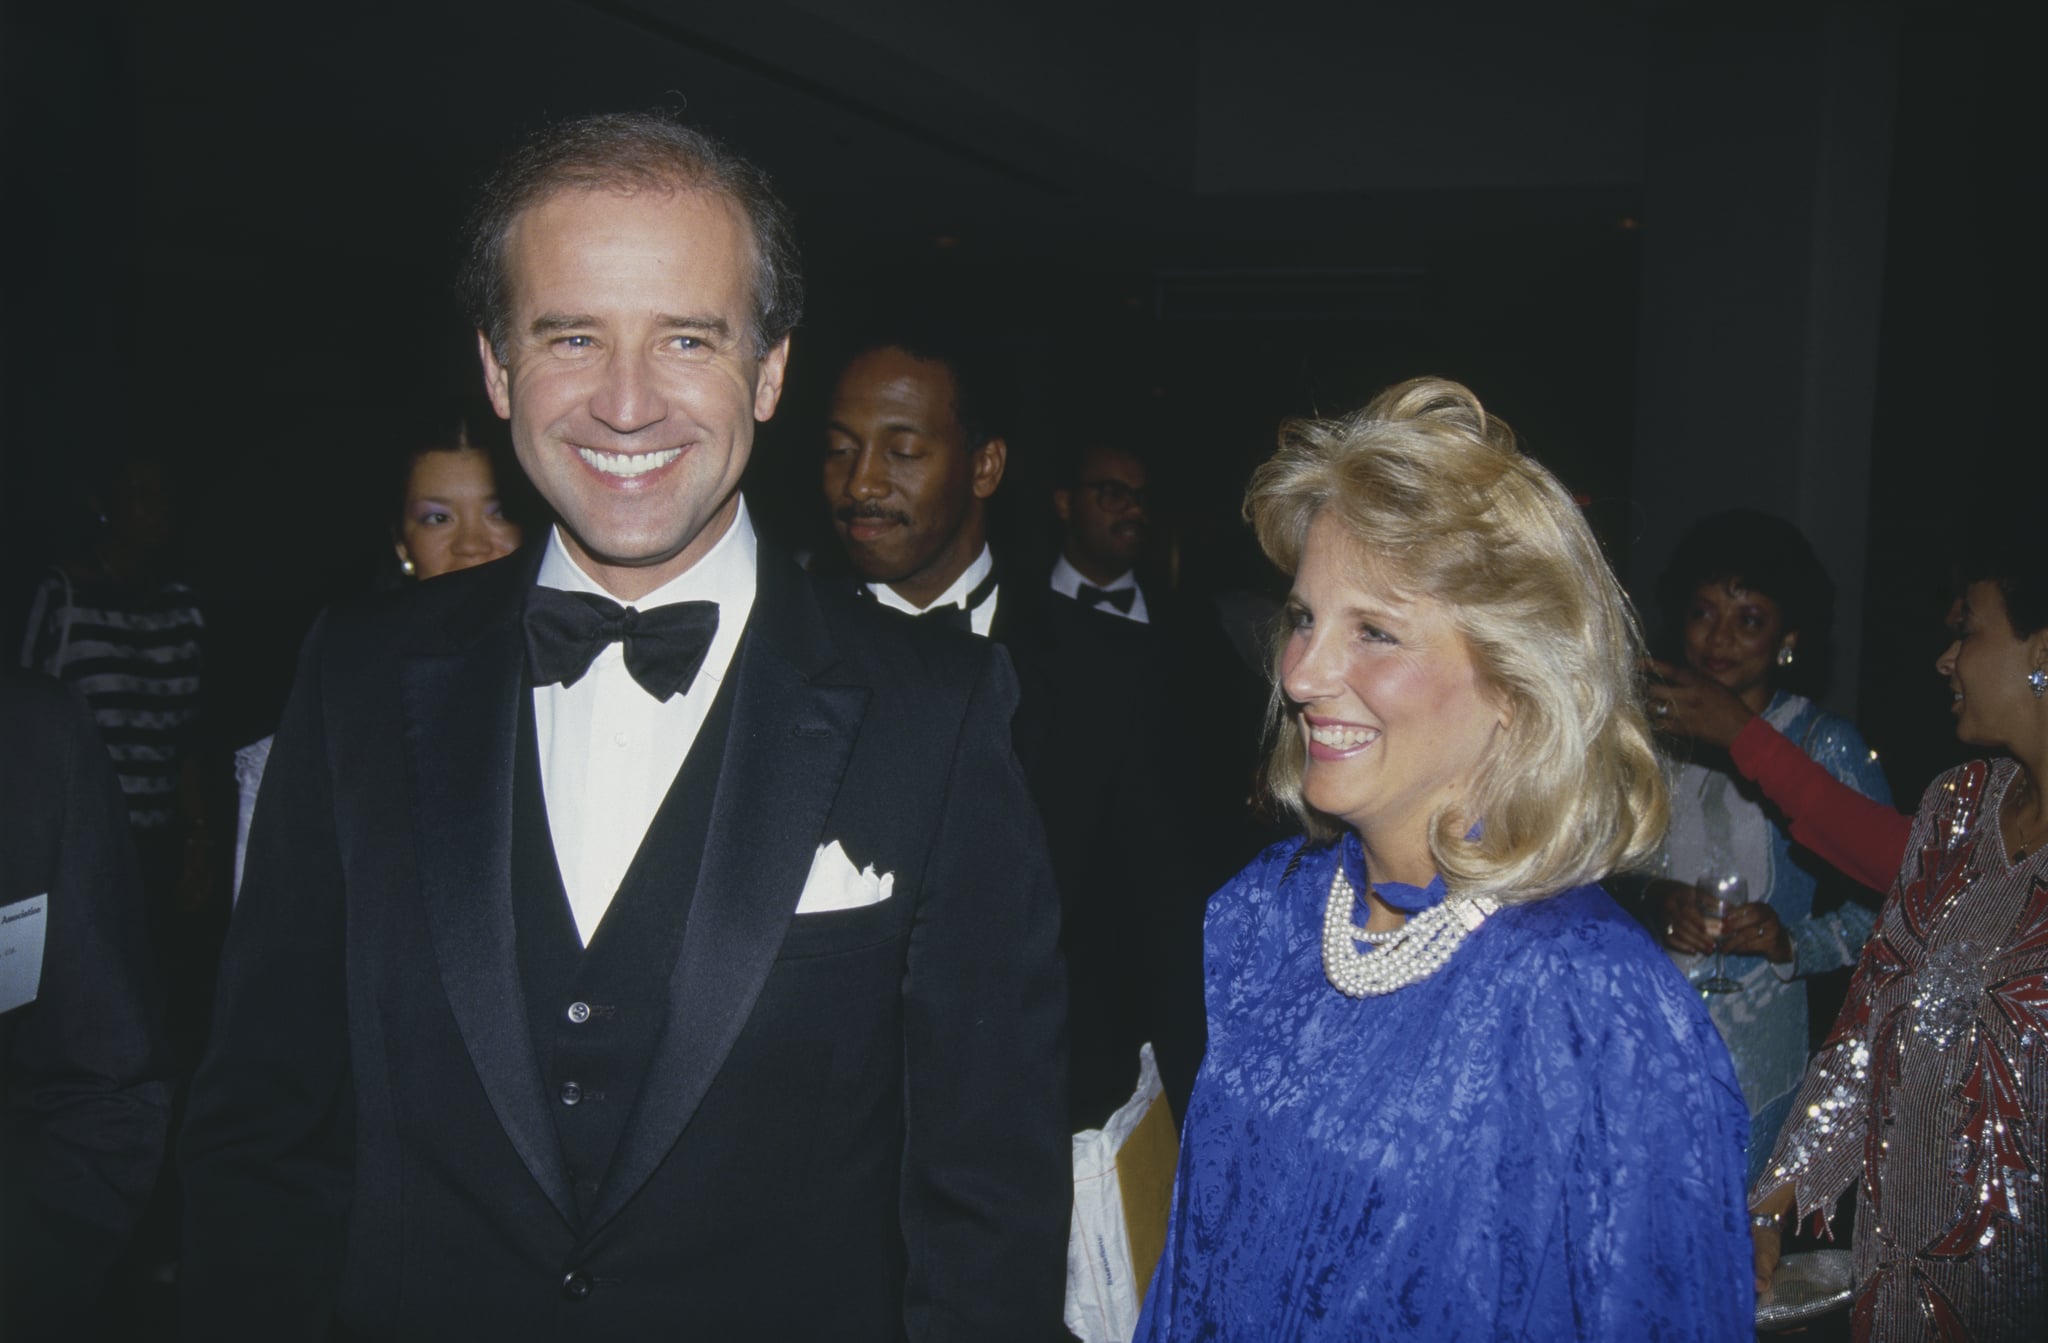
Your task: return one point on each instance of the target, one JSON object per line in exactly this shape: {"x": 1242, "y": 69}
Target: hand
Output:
{"x": 1682, "y": 929}
{"x": 1687, "y": 704}
{"x": 1754, "y": 930}
{"x": 1766, "y": 1242}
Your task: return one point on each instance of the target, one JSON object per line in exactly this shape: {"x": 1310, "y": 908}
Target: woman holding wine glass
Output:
{"x": 1752, "y": 607}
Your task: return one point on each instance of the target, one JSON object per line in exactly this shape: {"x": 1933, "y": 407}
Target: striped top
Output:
{"x": 135, "y": 654}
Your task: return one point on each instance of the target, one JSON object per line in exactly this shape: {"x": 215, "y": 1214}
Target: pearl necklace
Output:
{"x": 1401, "y": 956}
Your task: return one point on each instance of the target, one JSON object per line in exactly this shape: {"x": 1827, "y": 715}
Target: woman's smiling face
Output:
{"x": 1393, "y": 713}
{"x": 1732, "y": 636}
{"x": 1986, "y": 666}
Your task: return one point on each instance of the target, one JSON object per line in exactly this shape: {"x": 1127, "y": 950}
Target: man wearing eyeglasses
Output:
{"x": 1103, "y": 526}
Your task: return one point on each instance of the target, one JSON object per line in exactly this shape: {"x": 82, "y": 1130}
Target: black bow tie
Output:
{"x": 665, "y": 645}
{"x": 1121, "y": 598}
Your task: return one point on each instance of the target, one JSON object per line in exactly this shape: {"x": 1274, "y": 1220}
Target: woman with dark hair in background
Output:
{"x": 1752, "y": 606}
{"x": 451, "y": 514}
{"x": 1931, "y": 1094}
{"x": 1493, "y": 1110}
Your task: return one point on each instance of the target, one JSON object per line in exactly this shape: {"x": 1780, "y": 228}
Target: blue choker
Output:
{"x": 1395, "y": 895}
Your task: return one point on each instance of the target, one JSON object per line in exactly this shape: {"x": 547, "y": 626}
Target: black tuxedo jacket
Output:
{"x": 84, "y": 1078}
{"x": 852, "y": 1126}
{"x": 1103, "y": 730}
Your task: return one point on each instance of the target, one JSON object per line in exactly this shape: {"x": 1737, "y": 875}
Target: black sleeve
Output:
{"x": 86, "y": 1070}
{"x": 987, "y": 1183}
{"x": 267, "y": 1150}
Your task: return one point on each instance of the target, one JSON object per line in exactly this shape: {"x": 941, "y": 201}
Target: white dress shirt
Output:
{"x": 982, "y": 618}
{"x": 608, "y": 749}
{"x": 1067, "y": 581}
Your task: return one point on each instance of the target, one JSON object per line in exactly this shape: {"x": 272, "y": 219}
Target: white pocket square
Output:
{"x": 835, "y": 884}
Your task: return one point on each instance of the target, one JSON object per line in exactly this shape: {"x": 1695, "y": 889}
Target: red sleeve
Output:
{"x": 1863, "y": 838}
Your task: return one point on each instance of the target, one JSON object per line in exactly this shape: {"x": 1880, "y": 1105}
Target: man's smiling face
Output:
{"x": 630, "y": 374}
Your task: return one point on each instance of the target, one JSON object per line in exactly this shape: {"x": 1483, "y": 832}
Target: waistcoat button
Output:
{"x": 579, "y": 1012}
{"x": 571, "y": 1093}
{"x": 576, "y": 1286}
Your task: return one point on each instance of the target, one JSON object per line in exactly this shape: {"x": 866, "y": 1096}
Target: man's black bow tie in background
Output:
{"x": 665, "y": 645}
{"x": 1121, "y": 598}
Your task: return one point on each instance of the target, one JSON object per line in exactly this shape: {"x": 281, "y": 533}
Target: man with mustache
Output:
{"x": 915, "y": 451}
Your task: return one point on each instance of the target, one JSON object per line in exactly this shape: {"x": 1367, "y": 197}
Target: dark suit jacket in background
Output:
{"x": 852, "y": 1127}
{"x": 1113, "y": 758}
{"x": 83, "y": 1072}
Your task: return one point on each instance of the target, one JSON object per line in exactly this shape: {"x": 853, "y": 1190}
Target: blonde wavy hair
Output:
{"x": 1443, "y": 505}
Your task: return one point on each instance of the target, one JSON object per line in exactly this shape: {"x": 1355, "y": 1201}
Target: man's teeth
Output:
{"x": 1341, "y": 738}
{"x": 628, "y": 463}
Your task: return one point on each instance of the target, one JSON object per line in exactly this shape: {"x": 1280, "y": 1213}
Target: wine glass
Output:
{"x": 1717, "y": 895}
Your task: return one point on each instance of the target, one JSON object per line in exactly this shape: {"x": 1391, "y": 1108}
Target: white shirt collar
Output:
{"x": 724, "y": 573}
{"x": 1067, "y": 580}
{"x": 956, "y": 595}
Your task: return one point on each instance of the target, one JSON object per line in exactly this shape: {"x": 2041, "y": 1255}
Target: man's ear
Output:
{"x": 989, "y": 460}
{"x": 768, "y": 379}
{"x": 497, "y": 377}
{"x": 1063, "y": 503}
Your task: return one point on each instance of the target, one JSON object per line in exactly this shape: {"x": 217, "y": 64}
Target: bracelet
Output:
{"x": 1764, "y": 1221}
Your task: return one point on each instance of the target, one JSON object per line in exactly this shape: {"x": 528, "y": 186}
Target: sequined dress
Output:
{"x": 1932, "y": 1091}
{"x": 1541, "y": 1140}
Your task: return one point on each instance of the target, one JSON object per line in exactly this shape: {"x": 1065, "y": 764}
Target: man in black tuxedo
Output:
{"x": 914, "y": 453}
{"x": 1104, "y": 521}
{"x": 85, "y": 1091}
{"x": 680, "y": 969}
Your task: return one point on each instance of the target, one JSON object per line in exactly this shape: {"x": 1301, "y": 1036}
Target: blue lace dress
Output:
{"x": 1719, "y": 821}
{"x": 1541, "y": 1140}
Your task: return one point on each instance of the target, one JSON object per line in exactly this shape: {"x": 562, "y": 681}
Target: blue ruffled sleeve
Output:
{"x": 1647, "y": 1125}
{"x": 1835, "y": 939}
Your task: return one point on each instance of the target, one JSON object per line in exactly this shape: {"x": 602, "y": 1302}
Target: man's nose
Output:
{"x": 868, "y": 478}
{"x": 629, "y": 399}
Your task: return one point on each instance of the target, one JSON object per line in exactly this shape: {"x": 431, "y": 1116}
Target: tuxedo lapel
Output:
{"x": 792, "y": 734}
{"x": 460, "y": 697}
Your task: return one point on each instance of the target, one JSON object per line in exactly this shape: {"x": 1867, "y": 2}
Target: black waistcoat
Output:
{"x": 596, "y": 1012}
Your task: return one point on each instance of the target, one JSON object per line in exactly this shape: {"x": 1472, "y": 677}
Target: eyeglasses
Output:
{"x": 1115, "y": 496}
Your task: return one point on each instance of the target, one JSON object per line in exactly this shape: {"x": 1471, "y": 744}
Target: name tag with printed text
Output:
{"x": 22, "y": 925}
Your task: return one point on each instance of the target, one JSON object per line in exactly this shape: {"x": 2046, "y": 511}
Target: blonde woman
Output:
{"x": 1452, "y": 1092}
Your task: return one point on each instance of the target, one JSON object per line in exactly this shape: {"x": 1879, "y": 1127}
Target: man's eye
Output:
{"x": 575, "y": 343}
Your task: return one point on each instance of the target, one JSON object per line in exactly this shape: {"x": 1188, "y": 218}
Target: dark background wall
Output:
{"x": 1699, "y": 255}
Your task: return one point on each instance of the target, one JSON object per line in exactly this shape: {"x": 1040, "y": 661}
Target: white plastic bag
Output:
{"x": 1123, "y": 1191}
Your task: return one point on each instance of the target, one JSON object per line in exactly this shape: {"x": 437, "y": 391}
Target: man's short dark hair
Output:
{"x": 978, "y": 391}
{"x": 629, "y": 151}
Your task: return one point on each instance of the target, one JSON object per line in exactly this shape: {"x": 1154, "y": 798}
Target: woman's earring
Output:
{"x": 1784, "y": 655}
{"x": 406, "y": 567}
{"x": 2038, "y": 679}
